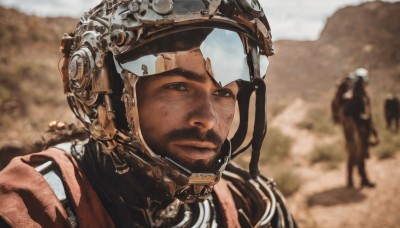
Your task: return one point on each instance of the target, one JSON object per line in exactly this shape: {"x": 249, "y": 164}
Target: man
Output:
{"x": 392, "y": 111}
{"x": 156, "y": 84}
{"x": 342, "y": 96}
{"x": 359, "y": 129}
{"x": 339, "y": 106}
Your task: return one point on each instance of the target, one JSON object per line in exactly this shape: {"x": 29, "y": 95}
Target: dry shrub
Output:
{"x": 329, "y": 154}
{"x": 287, "y": 179}
{"x": 276, "y": 146}
{"x": 276, "y": 108}
{"x": 389, "y": 140}
{"x": 274, "y": 161}
{"x": 275, "y": 149}
{"x": 318, "y": 121}
{"x": 389, "y": 145}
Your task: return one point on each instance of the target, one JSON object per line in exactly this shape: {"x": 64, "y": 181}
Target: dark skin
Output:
{"x": 185, "y": 115}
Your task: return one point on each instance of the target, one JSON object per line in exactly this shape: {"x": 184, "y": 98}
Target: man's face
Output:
{"x": 184, "y": 114}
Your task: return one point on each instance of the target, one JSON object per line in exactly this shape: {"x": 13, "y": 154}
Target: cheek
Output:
{"x": 229, "y": 118}
{"x": 159, "y": 118}
{"x": 227, "y": 112}
{"x": 225, "y": 117}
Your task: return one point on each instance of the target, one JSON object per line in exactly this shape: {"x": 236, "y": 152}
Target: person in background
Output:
{"x": 343, "y": 94}
{"x": 360, "y": 132}
{"x": 392, "y": 111}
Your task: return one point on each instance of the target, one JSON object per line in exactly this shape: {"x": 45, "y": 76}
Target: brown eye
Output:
{"x": 224, "y": 93}
{"x": 177, "y": 86}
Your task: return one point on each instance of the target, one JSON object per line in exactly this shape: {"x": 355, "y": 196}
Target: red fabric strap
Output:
{"x": 227, "y": 204}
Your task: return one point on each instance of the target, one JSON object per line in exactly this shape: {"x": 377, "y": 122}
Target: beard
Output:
{"x": 198, "y": 166}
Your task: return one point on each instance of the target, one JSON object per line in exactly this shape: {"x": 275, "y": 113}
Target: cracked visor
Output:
{"x": 220, "y": 52}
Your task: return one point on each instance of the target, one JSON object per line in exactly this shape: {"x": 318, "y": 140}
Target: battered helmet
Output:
{"x": 119, "y": 41}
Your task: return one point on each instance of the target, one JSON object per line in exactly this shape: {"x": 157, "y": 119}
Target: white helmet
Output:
{"x": 362, "y": 72}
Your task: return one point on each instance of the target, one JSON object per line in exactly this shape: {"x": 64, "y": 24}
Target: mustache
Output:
{"x": 195, "y": 134}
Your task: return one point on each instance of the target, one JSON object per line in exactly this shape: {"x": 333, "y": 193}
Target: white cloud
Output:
{"x": 289, "y": 19}
{"x": 302, "y": 19}
{"x": 73, "y": 8}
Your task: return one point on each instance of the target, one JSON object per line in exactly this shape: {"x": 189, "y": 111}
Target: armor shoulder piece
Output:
{"x": 48, "y": 171}
{"x": 52, "y": 176}
{"x": 259, "y": 202}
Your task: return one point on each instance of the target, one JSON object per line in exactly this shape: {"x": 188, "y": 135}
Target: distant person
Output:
{"x": 342, "y": 95}
{"x": 359, "y": 129}
{"x": 392, "y": 111}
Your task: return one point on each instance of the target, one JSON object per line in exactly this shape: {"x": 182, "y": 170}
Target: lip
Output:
{"x": 195, "y": 150}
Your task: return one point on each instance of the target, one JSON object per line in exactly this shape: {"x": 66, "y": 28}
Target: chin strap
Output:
{"x": 260, "y": 124}
{"x": 243, "y": 97}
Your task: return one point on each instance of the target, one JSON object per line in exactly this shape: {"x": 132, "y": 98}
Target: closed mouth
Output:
{"x": 195, "y": 150}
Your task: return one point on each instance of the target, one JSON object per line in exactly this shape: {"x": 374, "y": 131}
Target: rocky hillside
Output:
{"x": 358, "y": 36}
{"x": 30, "y": 86}
{"x": 364, "y": 35}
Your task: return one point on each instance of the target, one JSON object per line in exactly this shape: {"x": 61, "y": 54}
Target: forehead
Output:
{"x": 202, "y": 79}
{"x": 192, "y": 61}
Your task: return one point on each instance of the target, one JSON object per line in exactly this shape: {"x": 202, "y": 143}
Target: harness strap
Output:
{"x": 227, "y": 203}
{"x": 258, "y": 202}
{"x": 243, "y": 98}
{"x": 260, "y": 127}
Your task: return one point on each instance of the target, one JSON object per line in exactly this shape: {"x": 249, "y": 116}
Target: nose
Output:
{"x": 203, "y": 115}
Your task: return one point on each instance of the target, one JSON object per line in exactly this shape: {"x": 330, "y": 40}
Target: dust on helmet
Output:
{"x": 119, "y": 41}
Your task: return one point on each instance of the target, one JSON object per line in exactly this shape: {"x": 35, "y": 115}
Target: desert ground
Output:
{"x": 323, "y": 199}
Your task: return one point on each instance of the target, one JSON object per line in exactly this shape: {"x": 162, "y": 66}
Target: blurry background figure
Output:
{"x": 352, "y": 109}
{"x": 339, "y": 107}
{"x": 359, "y": 130}
{"x": 343, "y": 94}
{"x": 392, "y": 111}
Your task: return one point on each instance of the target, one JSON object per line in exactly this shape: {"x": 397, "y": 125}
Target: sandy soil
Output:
{"x": 323, "y": 200}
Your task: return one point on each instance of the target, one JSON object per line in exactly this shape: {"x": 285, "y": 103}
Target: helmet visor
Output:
{"x": 221, "y": 52}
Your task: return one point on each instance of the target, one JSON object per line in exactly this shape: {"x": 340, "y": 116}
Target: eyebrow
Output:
{"x": 190, "y": 75}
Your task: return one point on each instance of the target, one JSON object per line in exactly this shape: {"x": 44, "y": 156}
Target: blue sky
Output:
{"x": 289, "y": 19}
